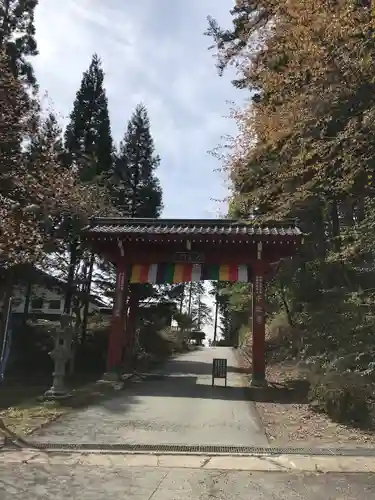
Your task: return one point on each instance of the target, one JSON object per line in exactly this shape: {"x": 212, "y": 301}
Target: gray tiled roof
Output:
{"x": 219, "y": 227}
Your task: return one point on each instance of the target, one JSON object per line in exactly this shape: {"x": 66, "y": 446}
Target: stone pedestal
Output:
{"x": 60, "y": 355}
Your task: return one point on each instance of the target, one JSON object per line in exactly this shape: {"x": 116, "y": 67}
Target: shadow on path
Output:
{"x": 290, "y": 392}
{"x": 196, "y": 367}
{"x": 187, "y": 387}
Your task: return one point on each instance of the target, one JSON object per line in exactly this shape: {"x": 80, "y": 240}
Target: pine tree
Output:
{"x": 195, "y": 306}
{"x": 88, "y": 135}
{"x": 135, "y": 187}
{"x": 17, "y": 37}
{"x": 47, "y": 140}
{"x": 88, "y": 146}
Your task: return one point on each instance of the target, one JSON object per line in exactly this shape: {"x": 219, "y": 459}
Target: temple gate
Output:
{"x": 175, "y": 251}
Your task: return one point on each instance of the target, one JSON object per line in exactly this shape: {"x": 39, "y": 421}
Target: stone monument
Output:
{"x": 60, "y": 354}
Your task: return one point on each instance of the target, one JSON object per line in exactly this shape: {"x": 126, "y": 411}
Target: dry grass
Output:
{"x": 289, "y": 420}
{"x": 27, "y": 417}
{"x": 32, "y": 413}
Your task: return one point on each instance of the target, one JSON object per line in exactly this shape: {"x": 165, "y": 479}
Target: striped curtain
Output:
{"x": 180, "y": 273}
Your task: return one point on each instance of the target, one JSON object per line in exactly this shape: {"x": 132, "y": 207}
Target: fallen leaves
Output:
{"x": 291, "y": 424}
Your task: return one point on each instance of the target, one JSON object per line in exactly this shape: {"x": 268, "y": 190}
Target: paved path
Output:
{"x": 35, "y": 481}
{"x": 178, "y": 407}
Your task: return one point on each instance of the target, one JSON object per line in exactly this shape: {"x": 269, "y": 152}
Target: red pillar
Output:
{"x": 131, "y": 324}
{"x": 259, "y": 330}
{"x": 116, "y": 335}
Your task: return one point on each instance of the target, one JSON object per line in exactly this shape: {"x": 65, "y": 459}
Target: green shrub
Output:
{"x": 345, "y": 397}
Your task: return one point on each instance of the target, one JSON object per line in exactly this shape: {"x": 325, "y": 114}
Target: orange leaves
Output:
{"x": 297, "y": 140}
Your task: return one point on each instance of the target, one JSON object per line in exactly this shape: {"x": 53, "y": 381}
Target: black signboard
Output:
{"x": 191, "y": 257}
{"x": 219, "y": 369}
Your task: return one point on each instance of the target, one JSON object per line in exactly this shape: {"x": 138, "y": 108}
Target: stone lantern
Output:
{"x": 60, "y": 354}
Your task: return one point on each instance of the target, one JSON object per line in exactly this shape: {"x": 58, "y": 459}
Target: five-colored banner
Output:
{"x": 180, "y": 273}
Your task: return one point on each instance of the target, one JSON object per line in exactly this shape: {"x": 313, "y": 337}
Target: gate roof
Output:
{"x": 213, "y": 229}
{"x": 219, "y": 241}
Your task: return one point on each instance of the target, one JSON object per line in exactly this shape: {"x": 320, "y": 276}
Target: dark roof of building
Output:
{"x": 187, "y": 227}
{"x": 25, "y": 273}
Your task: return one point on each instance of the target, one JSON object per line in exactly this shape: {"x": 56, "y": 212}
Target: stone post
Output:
{"x": 60, "y": 354}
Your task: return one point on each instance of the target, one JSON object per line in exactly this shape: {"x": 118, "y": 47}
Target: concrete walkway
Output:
{"x": 117, "y": 478}
{"x": 176, "y": 406}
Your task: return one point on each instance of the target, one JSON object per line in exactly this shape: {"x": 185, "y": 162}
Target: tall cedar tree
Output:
{"x": 136, "y": 189}
{"x": 17, "y": 37}
{"x": 88, "y": 135}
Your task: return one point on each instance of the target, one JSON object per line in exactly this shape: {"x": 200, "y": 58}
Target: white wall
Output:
{"x": 43, "y": 295}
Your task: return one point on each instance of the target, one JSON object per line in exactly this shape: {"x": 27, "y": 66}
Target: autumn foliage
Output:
{"x": 306, "y": 150}
{"x": 305, "y": 134}
{"x": 35, "y": 195}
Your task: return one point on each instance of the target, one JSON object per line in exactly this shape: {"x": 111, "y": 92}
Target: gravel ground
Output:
{"x": 291, "y": 422}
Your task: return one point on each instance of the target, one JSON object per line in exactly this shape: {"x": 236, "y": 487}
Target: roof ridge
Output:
{"x": 210, "y": 222}
{"x": 237, "y": 230}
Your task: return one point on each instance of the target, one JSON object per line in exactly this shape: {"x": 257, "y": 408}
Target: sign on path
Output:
{"x": 219, "y": 369}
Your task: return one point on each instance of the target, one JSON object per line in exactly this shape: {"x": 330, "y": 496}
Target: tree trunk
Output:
{"x": 131, "y": 327}
{"x": 190, "y": 297}
{"x": 285, "y": 304}
{"x": 199, "y": 320}
{"x": 216, "y": 318}
{"x": 4, "y": 31}
{"x": 73, "y": 248}
{"x": 182, "y": 298}
{"x": 335, "y": 224}
{"x": 9, "y": 281}
{"x": 27, "y": 302}
{"x": 347, "y": 209}
{"x": 87, "y": 299}
{"x": 337, "y": 243}
{"x": 360, "y": 210}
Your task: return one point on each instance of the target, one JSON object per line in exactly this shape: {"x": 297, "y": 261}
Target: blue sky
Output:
{"x": 153, "y": 51}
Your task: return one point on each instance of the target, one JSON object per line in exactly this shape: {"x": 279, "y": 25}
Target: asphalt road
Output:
{"x": 37, "y": 482}
{"x": 177, "y": 405}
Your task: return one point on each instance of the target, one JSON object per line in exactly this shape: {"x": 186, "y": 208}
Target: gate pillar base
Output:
{"x": 112, "y": 376}
{"x": 258, "y": 382}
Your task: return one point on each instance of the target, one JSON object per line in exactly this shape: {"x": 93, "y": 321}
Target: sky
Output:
{"x": 154, "y": 52}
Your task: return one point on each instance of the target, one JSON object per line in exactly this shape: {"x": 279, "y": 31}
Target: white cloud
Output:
{"x": 154, "y": 52}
